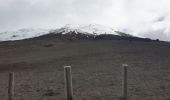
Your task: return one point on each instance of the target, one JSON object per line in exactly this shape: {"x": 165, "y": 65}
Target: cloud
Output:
{"x": 53, "y": 13}
{"x": 149, "y": 18}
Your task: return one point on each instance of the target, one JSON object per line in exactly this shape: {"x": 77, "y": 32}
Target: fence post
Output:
{"x": 11, "y": 86}
{"x": 68, "y": 83}
{"x": 124, "y": 82}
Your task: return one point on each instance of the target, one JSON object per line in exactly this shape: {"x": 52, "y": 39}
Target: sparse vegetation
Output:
{"x": 96, "y": 69}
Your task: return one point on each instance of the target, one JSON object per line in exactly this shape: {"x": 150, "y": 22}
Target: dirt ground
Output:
{"x": 96, "y": 69}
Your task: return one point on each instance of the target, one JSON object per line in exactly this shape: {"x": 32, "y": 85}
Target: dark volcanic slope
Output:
{"x": 73, "y": 35}
{"x": 96, "y": 69}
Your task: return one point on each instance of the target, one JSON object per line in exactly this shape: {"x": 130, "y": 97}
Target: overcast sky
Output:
{"x": 149, "y": 18}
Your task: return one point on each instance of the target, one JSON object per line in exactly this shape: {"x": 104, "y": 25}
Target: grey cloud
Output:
{"x": 160, "y": 19}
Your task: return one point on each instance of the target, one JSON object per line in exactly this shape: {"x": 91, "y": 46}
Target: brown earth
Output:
{"x": 96, "y": 69}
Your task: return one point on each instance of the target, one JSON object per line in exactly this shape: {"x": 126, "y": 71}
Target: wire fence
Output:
{"x": 128, "y": 73}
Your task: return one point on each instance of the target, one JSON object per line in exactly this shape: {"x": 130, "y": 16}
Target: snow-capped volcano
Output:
{"x": 88, "y": 29}
{"x": 83, "y": 29}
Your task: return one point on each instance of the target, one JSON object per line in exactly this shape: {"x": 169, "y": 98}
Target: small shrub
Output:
{"x": 157, "y": 40}
{"x": 48, "y": 45}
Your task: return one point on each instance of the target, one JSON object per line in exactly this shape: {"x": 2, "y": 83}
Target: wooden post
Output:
{"x": 68, "y": 83}
{"x": 11, "y": 86}
{"x": 124, "y": 82}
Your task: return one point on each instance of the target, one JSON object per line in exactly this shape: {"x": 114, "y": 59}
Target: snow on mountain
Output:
{"x": 85, "y": 29}
{"x": 88, "y": 29}
{"x": 97, "y": 29}
{"x": 22, "y": 34}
